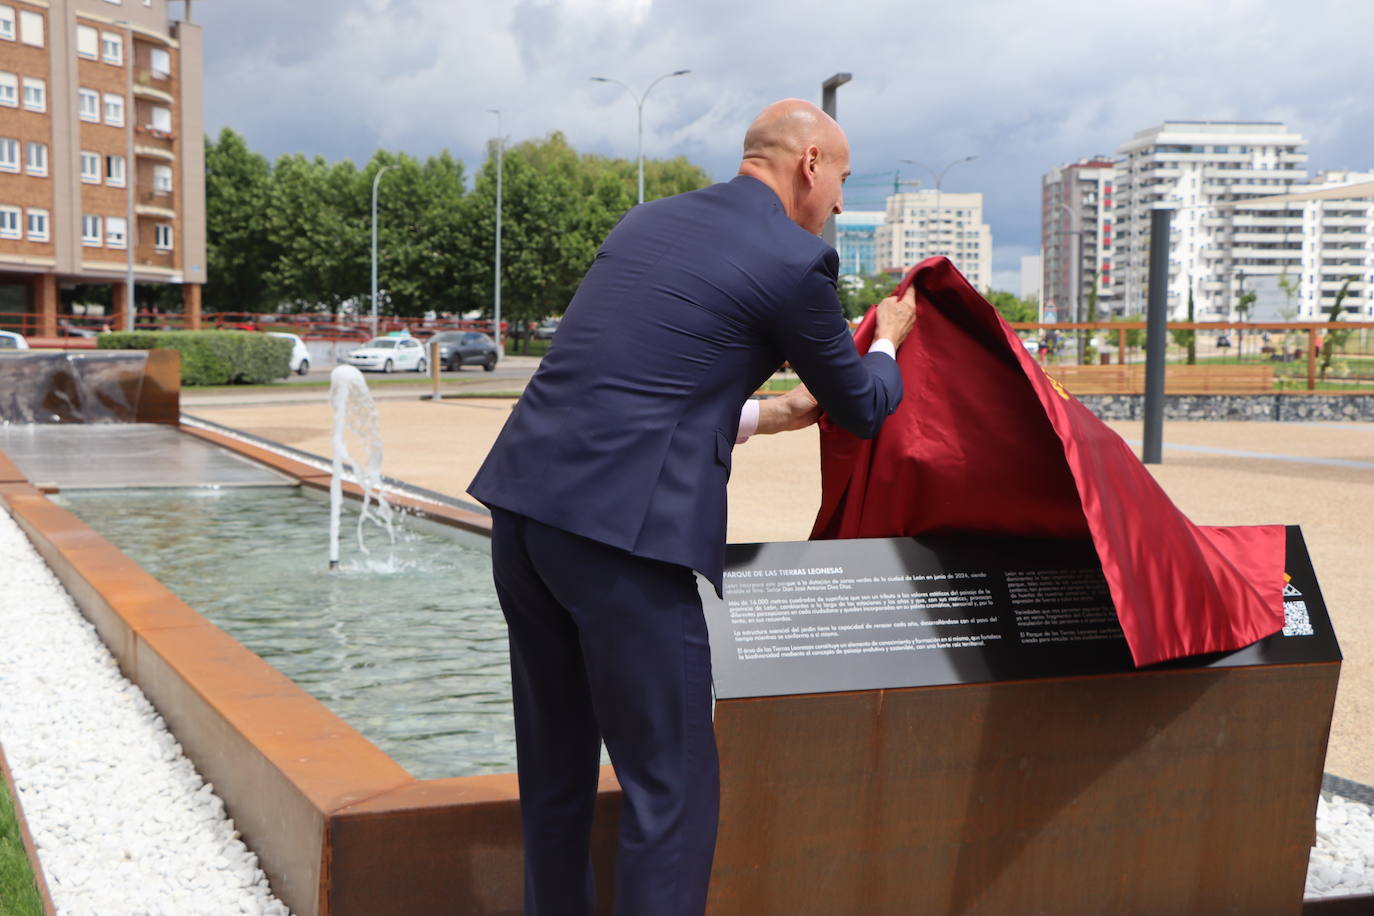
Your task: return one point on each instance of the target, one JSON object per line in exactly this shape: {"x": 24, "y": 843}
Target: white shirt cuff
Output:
{"x": 883, "y": 345}
{"x": 748, "y": 420}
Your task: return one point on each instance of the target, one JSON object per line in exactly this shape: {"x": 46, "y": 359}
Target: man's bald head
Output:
{"x": 786, "y": 128}
{"x": 801, "y": 153}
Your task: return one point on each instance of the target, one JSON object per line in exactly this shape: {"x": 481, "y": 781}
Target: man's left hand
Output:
{"x": 796, "y": 409}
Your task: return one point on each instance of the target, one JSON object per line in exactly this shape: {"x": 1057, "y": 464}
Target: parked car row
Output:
{"x": 400, "y": 352}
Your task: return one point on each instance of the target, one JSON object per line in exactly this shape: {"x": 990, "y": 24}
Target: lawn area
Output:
{"x": 18, "y": 893}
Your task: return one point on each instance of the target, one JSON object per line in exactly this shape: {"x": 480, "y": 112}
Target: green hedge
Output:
{"x": 213, "y": 357}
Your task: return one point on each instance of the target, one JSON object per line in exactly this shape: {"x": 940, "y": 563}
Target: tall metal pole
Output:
{"x": 639, "y": 105}
{"x": 130, "y": 185}
{"x": 828, "y": 106}
{"x": 500, "y": 168}
{"x": 1156, "y": 333}
{"x": 376, "y": 179}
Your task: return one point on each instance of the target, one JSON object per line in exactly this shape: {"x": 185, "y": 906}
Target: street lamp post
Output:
{"x": 828, "y": 106}
{"x": 130, "y": 181}
{"x": 376, "y": 179}
{"x": 500, "y": 167}
{"x": 939, "y": 183}
{"x": 639, "y": 104}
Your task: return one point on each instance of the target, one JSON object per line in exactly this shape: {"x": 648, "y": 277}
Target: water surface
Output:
{"x": 407, "y": 645}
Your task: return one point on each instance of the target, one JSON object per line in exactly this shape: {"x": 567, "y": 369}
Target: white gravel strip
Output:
{"x": 1342, "y": 862}
{"x": 122, "y": 821}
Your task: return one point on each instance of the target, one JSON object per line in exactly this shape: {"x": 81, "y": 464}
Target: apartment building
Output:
{"x": 1076, "y": 237}
{"x": 856, "y": 233}
{"x": 102, "y": 157}
{"x": 922, "y": 224}
{"x": 1337, "y": 235}
{"x": 1207, "y": 171}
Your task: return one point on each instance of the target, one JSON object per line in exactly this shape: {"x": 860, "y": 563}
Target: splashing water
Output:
{"x": 355, "y": 413}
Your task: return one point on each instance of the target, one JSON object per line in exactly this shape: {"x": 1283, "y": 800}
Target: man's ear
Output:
{"x": 811, "y": 161}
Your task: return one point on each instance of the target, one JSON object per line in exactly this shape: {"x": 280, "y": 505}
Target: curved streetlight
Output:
{"x": 500, "y": 167}
{"x": 376, "y": 179}
{"x": 939, "y": 181}
{"x": 639, "y": 103}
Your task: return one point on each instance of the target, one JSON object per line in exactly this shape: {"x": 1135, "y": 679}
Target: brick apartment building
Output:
{"x": 100, "y": 100}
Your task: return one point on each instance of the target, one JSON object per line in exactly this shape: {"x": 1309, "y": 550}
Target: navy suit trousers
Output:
{"x": 608, "y": 646}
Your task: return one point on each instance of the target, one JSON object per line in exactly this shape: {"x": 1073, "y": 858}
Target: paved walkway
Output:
{"x": 1318, "y": 475}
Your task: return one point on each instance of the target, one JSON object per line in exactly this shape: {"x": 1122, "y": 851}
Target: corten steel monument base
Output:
{"x": 1178, "y": 792}
{"x": 1171, "y": 790}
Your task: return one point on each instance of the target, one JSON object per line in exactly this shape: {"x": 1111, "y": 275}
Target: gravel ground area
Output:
{"x": 123, "y": 823}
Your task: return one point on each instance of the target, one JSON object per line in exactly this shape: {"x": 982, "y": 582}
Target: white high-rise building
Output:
{"x": 1337, "y": 244}
{"x": 923, "y": 224}
{"x": 1192, "y": 166}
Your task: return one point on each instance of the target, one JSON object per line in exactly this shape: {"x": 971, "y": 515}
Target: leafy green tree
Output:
{"x": 1335, "y": 339}
{"x": 546, "y": 239}
{"x": 239, "y": 251}
{"x": 1011, "y": 307}
{"x": 857, "y": 294}
{"x": 316, "y": 232}
{"x": 1187, "y": 338}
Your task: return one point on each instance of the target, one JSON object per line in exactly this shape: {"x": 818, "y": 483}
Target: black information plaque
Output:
{"x": 869, "y": 613}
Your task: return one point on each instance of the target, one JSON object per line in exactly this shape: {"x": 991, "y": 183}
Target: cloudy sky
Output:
{"x": 1021, "y": 84}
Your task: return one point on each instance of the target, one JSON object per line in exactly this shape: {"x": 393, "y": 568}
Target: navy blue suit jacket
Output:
{"x": 624, "y": 434}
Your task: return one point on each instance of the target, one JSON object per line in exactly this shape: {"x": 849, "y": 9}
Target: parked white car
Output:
{"x": 389, "y": 354}
{"x": 300, "y": 353}
{"x": 12, "y": 341}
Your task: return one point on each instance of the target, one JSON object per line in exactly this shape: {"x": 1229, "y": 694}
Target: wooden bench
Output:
{"x": 1181, "y": 379}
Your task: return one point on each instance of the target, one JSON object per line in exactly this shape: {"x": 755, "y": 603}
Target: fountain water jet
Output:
{"x": 356, "y": 413}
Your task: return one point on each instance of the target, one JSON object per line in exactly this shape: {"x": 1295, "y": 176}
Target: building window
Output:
{"x": 162, "y": 236}
{"x": 90, "y": 230}
{"x": 114, "y": 110}
{"x": 90, "y": 167}
{"x": 114, "y": 232}
{"x": 160, "y": 119}
{"x": 160, "y": 62}
{"x": 7, "y": 23}
{"x": 90, "y": 105}
{"x": 38, "y": 225}
{"x": 162, "y": 179}
{"x": 112, "y": 48}
{"x": 9, "y": 154}
{"x": 87, "y": 42}
{"x": 9, "y": 222}
{"x": 35, "y": 94}
{"x": 38, "y": 158}
{"x": 31, "y": 28}
{"x": 9, "y": 90}
{"x": 114, "y": 171}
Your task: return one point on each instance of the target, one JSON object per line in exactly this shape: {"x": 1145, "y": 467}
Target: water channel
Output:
{"x": 406, "y": 644}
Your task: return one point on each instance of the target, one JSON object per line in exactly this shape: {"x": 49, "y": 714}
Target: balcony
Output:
{"x": 153, "y": 152}
{"x": 157, "y": 95}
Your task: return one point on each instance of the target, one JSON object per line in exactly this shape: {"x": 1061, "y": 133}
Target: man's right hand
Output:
{"x": 896, "y": 317}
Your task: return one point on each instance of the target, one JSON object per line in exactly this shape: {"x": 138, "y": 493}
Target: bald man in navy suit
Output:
{"x": 607, "y": 488}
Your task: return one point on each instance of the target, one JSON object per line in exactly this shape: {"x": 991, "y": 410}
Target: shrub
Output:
{"x": 212, "y": 357}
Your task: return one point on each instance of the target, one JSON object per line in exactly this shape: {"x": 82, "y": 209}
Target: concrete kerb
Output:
{"x": 322, "y": 806}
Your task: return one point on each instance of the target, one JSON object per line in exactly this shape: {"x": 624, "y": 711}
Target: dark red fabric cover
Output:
{"x": 984, "y": 441}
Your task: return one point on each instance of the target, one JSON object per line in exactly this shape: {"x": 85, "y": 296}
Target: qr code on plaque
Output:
{"x": 1295, "y": 619}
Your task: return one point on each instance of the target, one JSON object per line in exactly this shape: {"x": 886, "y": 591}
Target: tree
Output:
{"x": 1011, "y": 307}
{"x": 1187, "y": 338}
{"x": 857, "y": 294}
{"x": 1335, "y": 339}
{"x": 318, "y": 239}
{"x": 238, "y": 249}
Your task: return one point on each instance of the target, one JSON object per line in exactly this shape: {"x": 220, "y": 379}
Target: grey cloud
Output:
{"x": 1023, "y": 85}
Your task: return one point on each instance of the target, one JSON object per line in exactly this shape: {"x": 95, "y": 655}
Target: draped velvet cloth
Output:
{"x": 984, "y": 441}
